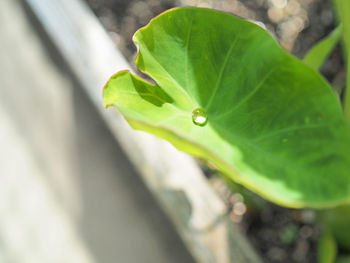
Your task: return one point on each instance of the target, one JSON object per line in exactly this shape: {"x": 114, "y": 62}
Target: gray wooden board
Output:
{"x": 68, "y": 194}
{"x": 198, "y": 213}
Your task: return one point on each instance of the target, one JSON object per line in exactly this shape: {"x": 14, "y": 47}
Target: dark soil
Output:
{"x": 279, "y": 234}
{"x": 122, "y": 18}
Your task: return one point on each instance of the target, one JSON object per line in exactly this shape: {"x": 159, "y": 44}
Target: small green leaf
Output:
{"x": 337, "y": 220}
{"x": 327, "y": 248}
{"x": 318, "y": 54}
{"x": 272, "y": 123}
{"x": 343, "y": 10}
{"x": 343, "y": 259}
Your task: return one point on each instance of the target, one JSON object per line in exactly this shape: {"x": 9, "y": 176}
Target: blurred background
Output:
{"x": 296, "y": 24}
{"x": 68, "y": 193}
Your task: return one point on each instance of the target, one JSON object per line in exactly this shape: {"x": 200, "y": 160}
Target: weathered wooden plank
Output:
{"x": 175, "y": 179}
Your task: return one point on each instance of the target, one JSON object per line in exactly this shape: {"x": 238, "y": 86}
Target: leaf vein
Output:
{"x": 222, "y": 70}
{"x": 246, "y": 98}
{"x": 188, "y": 38}
{"x": 289, "y": 129}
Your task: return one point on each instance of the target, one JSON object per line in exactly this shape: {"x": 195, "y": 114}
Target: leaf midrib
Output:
{"x": 222, "y": 70}
{"x": 247, "y": 97}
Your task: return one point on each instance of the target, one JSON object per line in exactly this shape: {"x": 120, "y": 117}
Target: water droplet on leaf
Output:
{"x": 199, "y": 117}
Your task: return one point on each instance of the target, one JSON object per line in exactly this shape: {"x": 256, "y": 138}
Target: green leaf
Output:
{"x": 327, "y": 248}
{"x": 343, "y": 10}
{"x": 318, "y": 54}
{"x": 343, "y": 259}
{"x": 273, "y": 124}
{"x": 337, "y": 220}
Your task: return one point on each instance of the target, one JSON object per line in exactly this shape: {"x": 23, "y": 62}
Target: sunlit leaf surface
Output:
{"x": 228, "y": 93}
